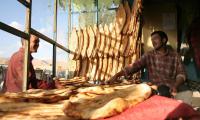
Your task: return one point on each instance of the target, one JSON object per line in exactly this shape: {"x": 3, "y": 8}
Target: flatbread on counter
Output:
{"x": 98, "y": 102}
{"x": 32, "y": 111}
{"x": 37, "y": 95}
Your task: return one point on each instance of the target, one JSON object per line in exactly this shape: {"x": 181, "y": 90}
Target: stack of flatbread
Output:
{"x": 34, "y": 104}
{"x": 101, "y": 102}
{"x": 38, "y": 95}
{"x": 75, "y": 82}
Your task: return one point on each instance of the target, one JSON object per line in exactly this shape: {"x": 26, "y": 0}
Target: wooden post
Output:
{"x": 27, "y": 47}
{"x": 97, "y": 4}
{"x": 54, "y": 37}
{"x": 69, "y": 21}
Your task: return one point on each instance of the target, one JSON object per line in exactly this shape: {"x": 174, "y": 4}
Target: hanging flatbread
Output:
{"x": 136, "y": 9}
{"x": 115, "y": 66}
{"x": 91, "y": 61}
{"x": 85, "y": 43}
{"x": 100, "y": 66}
{"x": 108, "y": 40}
{"x": 134, "y": 40}
{"x": 128, "y": 17}
{"x": 127, "y": 61}
{"x": 104, "y": 69}
{"x": 91, "y": 42}
{"x": 131, "y": 40}
{"x": 109, "y": 70}
{"x": 121, "y": 63}
{"x": 124, "y": 44}
{"x": 98, "y": 41}
{"x": 103, "y": 41}
{"x": 118, "y": 45}
{"x": 120, "y": 18}
{"x": 73, "y": 44}
{"x": 84, "y": 67}
{"x": 77, "y": 69}
{"x": 113, "y": 39}
{"x": 94, "y": 69}
{"x": 80, "y": 43}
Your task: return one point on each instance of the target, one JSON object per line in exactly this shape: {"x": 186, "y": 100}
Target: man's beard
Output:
{"x": 159, "y": 47}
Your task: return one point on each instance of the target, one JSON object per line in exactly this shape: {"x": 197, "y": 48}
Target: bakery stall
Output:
{"x": 103, "y": 39}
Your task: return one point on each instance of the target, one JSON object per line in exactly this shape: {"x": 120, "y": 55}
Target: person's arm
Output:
{"x": 17, "y": 67}
{"x": 115, "y": 77}
{"x": 130, "y": 69}
{"x": 181, "y": 75}
{"x": 34, "y": 83}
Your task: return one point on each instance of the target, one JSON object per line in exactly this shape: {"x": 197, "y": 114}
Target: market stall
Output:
{"x": 99, "y": 51}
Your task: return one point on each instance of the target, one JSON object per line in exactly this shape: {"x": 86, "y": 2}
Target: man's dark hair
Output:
{"x": 161, "y": 34}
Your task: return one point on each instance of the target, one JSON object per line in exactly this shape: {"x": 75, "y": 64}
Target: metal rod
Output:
{"x": 25, "y": 3}
{"x": 27, "y": 48}
{"x": 51, "y": 41}
{"x": 13, "y": 31}
{"x": 91, "y": 11}
{"x": 54, "y": 37}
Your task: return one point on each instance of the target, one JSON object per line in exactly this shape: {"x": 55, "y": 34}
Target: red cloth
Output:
{"x": 158, "y": 108}
{"x": 42, "y": 84}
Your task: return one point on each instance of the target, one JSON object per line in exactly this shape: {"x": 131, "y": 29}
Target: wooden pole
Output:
{"x": 69, "y": 21}
{"x": 27, "y": 47}
{"x": 97, "y": 4}
{"x": 24, "y": 2}
{"x": 13, "y": 31}
{"x": 54, "y": 37}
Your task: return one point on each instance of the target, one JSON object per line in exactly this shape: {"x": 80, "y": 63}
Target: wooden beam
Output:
{"x": 25, "y": 3}
{"x": 51, "y": 41}
{"x": 13, "y": 31}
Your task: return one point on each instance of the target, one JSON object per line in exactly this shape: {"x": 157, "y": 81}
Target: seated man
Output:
{"x": 14, "y": 76}
{"x": 163, "y": 64}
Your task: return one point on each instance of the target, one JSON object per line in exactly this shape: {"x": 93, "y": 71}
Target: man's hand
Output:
{"x": 173, "y": 91}
{"x": 115, "y": 77}
{"x": 179, "y": 81}
{"x": 112, "y": 79}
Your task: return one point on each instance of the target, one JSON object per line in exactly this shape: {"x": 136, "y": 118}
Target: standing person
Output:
{"x": 14, "y": 76}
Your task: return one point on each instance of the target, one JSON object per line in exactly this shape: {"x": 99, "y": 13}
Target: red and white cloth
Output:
{"x": 159, "y": 108}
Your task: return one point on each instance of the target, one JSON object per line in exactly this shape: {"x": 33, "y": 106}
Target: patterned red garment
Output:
{"x": 162, "y": 69}
{"x": 14, "y": 76}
